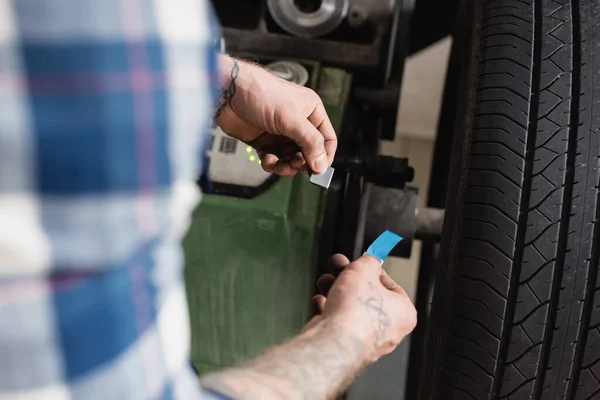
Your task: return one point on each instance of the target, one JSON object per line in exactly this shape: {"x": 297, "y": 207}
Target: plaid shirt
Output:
{"x": 103, "y": 104}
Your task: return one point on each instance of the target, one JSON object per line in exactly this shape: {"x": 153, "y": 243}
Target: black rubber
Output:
{"x": 516, "y": 308}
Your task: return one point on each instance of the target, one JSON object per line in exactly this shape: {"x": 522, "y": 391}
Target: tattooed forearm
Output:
{"x": 229, "y": 90}
{"x": 379, "y": 318}
{"x": 316, "y": 365}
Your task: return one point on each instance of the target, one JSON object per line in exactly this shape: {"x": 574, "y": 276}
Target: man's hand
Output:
{"x": 287, "y": 124}
{"x": 364, "y": 300}
{"x": 364, "y": 316}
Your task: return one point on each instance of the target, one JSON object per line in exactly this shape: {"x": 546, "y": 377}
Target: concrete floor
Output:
{"x": 420, "y": 103}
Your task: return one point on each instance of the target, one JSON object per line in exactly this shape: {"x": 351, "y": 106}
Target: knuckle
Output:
{"x": 355, "y": 268}
{"x": 395, "y": 337}
{"x": 267, "y": 167}
{"x": 391, "y": 343}
{"x": 282, "y": 120}
{"x": 314, "y": 99}
{"x": 277, "y": 121}
{"x": 401, "y": 291}
{"x": 318, "y": 140}
{"x": 412, "y": 320}
{"x": 369, "y": 260}
{"x": 319, "y": 111}
{"x": 310, "y": 92}
{"x": 351, "y": 272}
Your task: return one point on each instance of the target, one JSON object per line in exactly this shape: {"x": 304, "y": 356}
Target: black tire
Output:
{"x": 516, "y": 308}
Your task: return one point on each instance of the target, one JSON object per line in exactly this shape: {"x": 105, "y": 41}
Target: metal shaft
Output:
{"x": 430, "y": 222}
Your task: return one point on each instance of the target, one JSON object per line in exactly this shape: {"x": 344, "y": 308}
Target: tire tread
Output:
{"x": 525, "y": 288}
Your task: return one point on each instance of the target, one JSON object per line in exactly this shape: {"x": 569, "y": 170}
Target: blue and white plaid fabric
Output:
{"x": 103, "y": 106}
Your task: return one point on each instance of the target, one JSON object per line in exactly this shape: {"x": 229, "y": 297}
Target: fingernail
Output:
{"x": 321, "y": 163}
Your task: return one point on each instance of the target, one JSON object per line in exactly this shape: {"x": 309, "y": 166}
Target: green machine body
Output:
{"x": 250, "y": 252}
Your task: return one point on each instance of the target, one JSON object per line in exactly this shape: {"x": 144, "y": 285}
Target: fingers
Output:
{"x": 279, "y": 157}
{"x": 298, "y": 163}
{"x": 314, "y": 135}
{"x": 366, "y": 265}
{"x": 338, "y": 261}
{"x": 268, "y": 161}
{"x": 318, "y": 302}
{"x": 310, "y": 141}
{"x": 335, "y": 264}
{"x": 325, "y": 283}
{"x": 283, "y": 168}
{"x": 274, "y": 165}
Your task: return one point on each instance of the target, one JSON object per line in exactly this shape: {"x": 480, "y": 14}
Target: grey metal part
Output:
{"x": 391, "y": 209}
{"x": 376, "y": 61}
{"x": 291, "y": 71}
{"x": 374, "y": 12}
{"x": 330, "y": 14}
{"x": 325, "y": 19}
{"x": 430, "y": 222}
{"x": 340, "y": 54}
{"x": 397, "y": 210}
{"x": 323, "y": 180}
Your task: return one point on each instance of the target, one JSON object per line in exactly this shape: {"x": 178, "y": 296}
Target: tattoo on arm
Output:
{"x": 229, "y": 91}
{"x": 379, "y": 318}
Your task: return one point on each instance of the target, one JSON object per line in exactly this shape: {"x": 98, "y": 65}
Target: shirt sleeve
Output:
{"x": 103, "y": 109}
{"x": 210, "y": 395}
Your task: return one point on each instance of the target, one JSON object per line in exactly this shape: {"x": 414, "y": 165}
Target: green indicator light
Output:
{"x": 252, "y": 156}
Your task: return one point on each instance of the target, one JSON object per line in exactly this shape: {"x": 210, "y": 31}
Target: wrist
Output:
{"x": 350, "y": 330}
{"x": 225, "y": 64}
{"x": 229, "y": 71}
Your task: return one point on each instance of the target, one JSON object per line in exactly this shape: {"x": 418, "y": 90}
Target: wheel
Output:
{"x": 516, "y": 307}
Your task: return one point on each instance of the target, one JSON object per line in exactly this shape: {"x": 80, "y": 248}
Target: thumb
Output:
{"x": 367, "y": 264}
{"x": 310, "y": 141}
